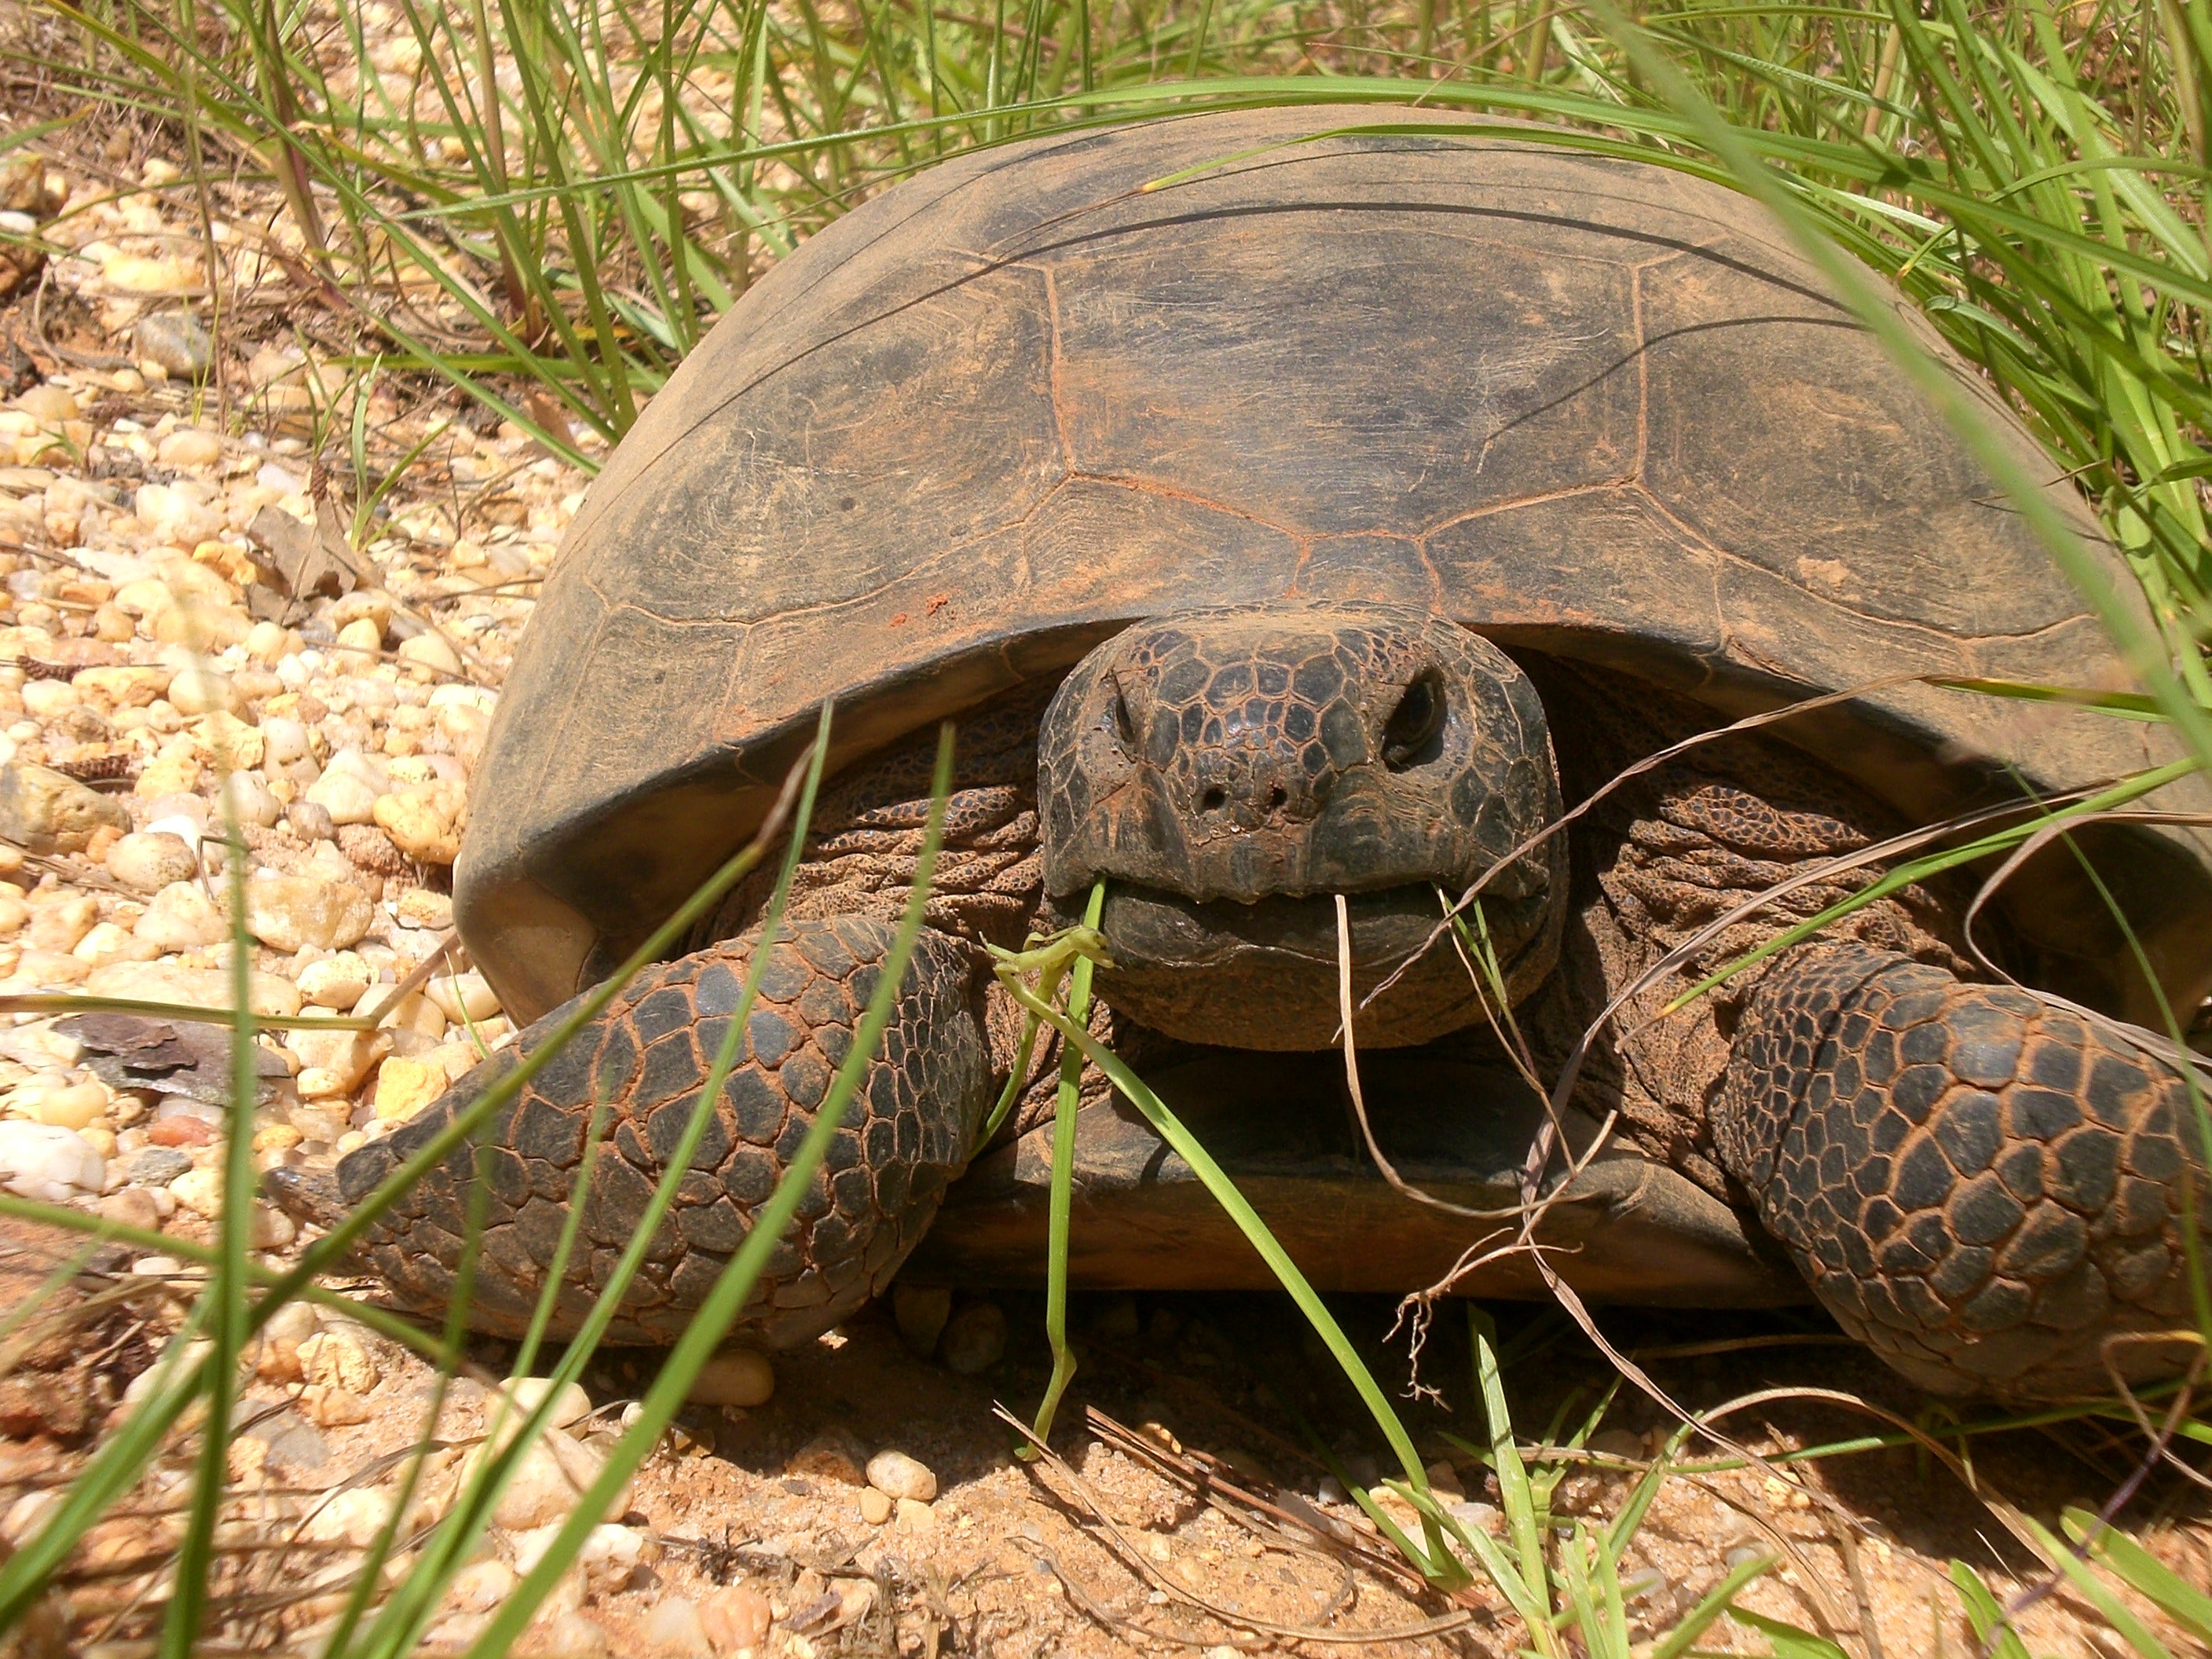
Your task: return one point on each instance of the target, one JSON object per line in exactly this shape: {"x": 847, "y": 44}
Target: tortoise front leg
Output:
{"x": 906, "y": 1135}
{"x": 1986, "y": 1191}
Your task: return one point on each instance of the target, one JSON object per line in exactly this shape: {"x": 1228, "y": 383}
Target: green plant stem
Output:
{"x": 735, "y": 1283}
{"x": 1066, "y": 1100}
{"x": 1436, "y": 1562}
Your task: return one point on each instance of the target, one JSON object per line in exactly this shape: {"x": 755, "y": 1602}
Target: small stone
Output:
{"x": 875, "y": 1507}
{"x": 921, "y": 1311}
{"x": 420, "y": 908}
{"x": 146, "y": 863}
{"x": 735, "y": 1377}
{"x": 912, "y": 1515}
{"x": 610, "y": 1553}
{"x": 459, "y": 995}
{"x": 248, "y": 797}
{"x": 342, "y": 1055}
{"x": 45, "y": 1161}
{"x": 47, "y": 402}
{"x": 296, "y": 1449}
{"x": 73, "y": 1106}
{"x": 200, "y": 1191}
{"x": 181, "y": 918}
{"x": 367, "y": 847}
{"x": 190, "y": 446}
{"x": 737, "y": 1619}
{"x": 286, "y": 912}
{"x": 47, "y": 812}
{"x": 58, "y": 922}
{"x": 183, "y": 1130}
{"x": 404, "y": 1087}
{"x": 132, "y": 273}
{"x": 898, "y": 1475}
{"x": 432, "y": 651}
{"x": 549, "y": 1477}
{"x": 361, "y": 634}
{"x": 482, "y": 1585}
{"x": 672, "y": 1626}
{"x": 338, "y": 1358}
{"x": 423, "y": 821}
{"x": 159, "y": 1164}
{"x": 311, "y": 822}
{"x": 204, "y": 692}
{"x": 1474, "y": 1515}
{"x": 975, "y": 1337}
{"x": 572, "y": 1406}
{"x": 180, "y": 343}
{"x": 330, "y": 1407}
{"x": 271, "y": 1229}
{"x": 345, "y": 798}
{"x": 133, "y": 1206}
{"x": 832, "y": 1455}
{"x": 125, "y": 687}
{"x": 568, "y": 1635}
{"x": 335, "y": 981}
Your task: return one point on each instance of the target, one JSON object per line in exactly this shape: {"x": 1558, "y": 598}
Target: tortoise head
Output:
{"x": 1230, "y": 772}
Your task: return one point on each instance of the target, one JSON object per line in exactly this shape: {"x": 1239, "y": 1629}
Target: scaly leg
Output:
{"x": 907, "y": 1133}
{"x": 1985, "y": 1190}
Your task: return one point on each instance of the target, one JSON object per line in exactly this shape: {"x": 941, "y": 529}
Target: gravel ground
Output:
{"x": 186, "y": 600}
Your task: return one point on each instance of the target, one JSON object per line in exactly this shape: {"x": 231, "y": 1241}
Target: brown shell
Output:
{"x": 1589, "y": 405}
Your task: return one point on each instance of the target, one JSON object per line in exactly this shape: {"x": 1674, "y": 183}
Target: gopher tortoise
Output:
{"x": 1323, "y": 523}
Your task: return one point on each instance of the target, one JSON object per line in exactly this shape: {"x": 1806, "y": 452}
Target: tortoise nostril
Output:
{"x": 1117, "y": 714}
{"x": 1276, "y": 797}
{"x": 1214, "y": 800}
{"x": 1411, "y": 735}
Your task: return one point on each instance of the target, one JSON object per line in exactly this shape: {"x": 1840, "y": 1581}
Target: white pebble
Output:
{"x": 288, "y": 912}
{"x": 204, "y": 692}
{"x": 181, "y": 918}
{"x": 897, "y": 1475}
{"x": 672, "y": 1626}
{"x": 200, "y": 1191}
{"x": 46, "y": 1162}
{"x": 343, "y": 796}
{"x": 285, "y": 741}
{"x": 146, "y": 861}
{"x": 571, "y": 1406}
{"x": 335, "y": 981}
{"x": 250, "y": 799}
{"x": 466, "y": 993}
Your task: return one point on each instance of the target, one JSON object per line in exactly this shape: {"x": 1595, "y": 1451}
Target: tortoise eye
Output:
{"x": 1410, "y": 735}
{"x": 1118, "y": 716}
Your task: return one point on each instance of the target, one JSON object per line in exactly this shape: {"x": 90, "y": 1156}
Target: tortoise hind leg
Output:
{"x": 906, "y": 1135}
{"x": 1986, "y": 1191}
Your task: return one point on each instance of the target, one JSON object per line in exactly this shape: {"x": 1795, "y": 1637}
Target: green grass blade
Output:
{"x": 2187, "y": 1604}
{"x": 1992, "y": 1628}
{"x": 1720, "y": 1599}
{"x": 227, "y": 1286}
{"x": 728, "y": 1294}
{"x": 1065, "y": 1101}
{"x": 1435, "y": 1561}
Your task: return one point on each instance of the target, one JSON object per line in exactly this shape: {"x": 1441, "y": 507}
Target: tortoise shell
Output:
{"x": 1588, "y": 406}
